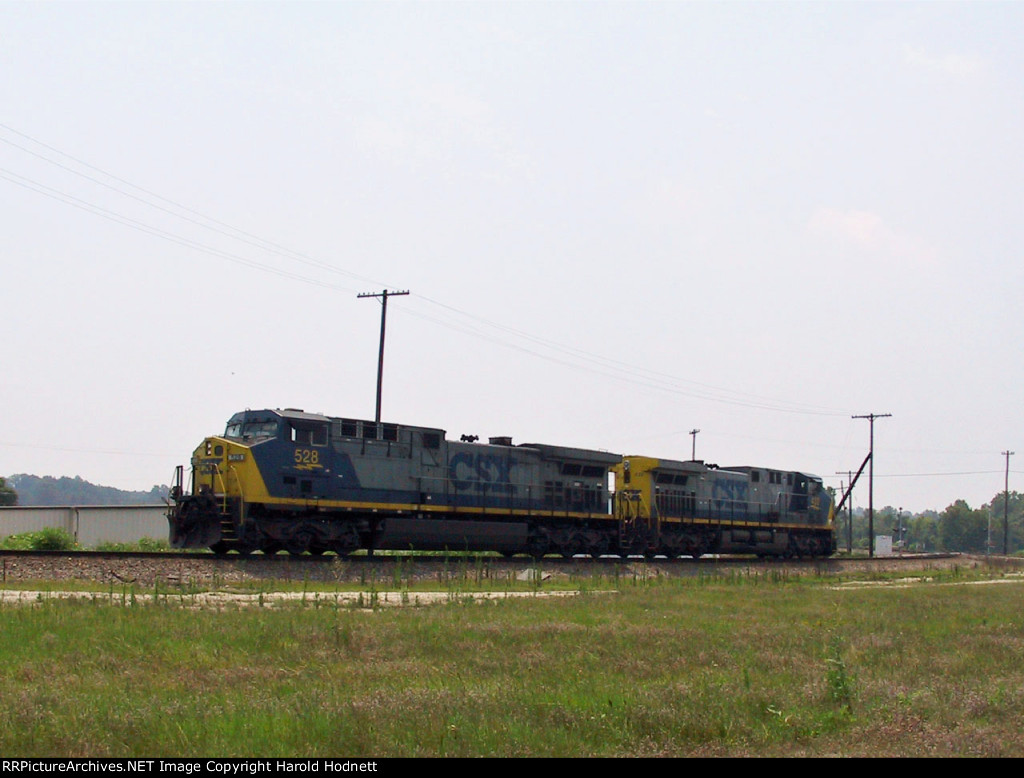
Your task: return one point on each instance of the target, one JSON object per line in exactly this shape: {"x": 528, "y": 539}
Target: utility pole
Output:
{"x": 383, "y": 319}
{"x": 871, "y": 478}
{"x": 849, "y": 511}
{"x": 1006, "y": 505}
{"x": 693, "y": 449}
{"x": 988, "y": 541}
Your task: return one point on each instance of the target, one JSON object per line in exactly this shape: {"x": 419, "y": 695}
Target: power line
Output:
{"x": 641, "y": 375}
{"x": 714, "y": 394}
{"x": 595, "y": 363}
{"x": 213, "y": 224}
{"x": 620, "y": 370}
{"x": 940, "y": 475}
{"x": 127, "y": 221}
{"x": 631, "y": 374}
{"x": 112, "y": 452}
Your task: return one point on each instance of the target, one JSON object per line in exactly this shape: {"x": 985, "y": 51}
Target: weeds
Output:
{"x": 144, "y": 544}
{"x": 59, "y": 539}
{"x": 837, "y": 677}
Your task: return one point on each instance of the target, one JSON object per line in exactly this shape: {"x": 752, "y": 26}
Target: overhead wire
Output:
{"x": 466, "y": 323}
{"x": 79, "y": 450}
{"x": 207, "y": 222}
{"x": 127, "y": 221}
{"x": 653, "y": 378}
{"x": 451, "y": 317}
{"x": 570, "y": 356}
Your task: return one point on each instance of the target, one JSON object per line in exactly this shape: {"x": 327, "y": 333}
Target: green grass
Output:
{"x": 143, "y": 544}
{"x": 710, "y": 666}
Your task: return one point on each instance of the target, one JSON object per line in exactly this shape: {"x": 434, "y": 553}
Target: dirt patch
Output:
{"x": 222, "y": 600}
{"x": 905, "y": 583}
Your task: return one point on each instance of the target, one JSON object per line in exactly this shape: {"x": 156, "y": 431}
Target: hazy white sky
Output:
{"x": 618, "y": 222}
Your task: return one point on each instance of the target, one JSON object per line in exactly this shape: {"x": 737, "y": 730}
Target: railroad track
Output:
{"x": 153, "y": 568}
{"x": 390, "y": 557}
{"x": 83, "y": 554}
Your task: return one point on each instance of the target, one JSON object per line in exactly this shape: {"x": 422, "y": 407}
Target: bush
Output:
{"x": 52, "y": 539}
{"x": 49, "y": 539}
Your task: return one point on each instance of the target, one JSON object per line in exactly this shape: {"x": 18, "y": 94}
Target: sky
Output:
{"x": 617, "y": 222}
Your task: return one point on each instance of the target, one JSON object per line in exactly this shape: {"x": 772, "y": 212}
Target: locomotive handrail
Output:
{"x": 217, "y": 476}
{"x": 241, "y": 495}
{"x": 683, "y": 508}
{"x": 519, "y": 496}
{"x": 223, "y": 487}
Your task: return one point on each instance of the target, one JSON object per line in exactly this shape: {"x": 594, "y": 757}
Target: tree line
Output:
{"x": 28, "y": 490}
{"x": 957, "y": 528}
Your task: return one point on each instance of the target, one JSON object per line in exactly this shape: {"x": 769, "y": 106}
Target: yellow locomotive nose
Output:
{"x": 209, "y": 466}
{"x": 214, "y": 461}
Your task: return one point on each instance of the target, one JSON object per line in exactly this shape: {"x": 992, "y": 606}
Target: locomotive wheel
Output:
{"x": 698, "y": 545}
{"x": 220, "y": 548}
{"x": 300, "y": 542}
{"x": 598, "y": 544}
{"x": 348, "y": 540}
{"x": 538, "y": 544}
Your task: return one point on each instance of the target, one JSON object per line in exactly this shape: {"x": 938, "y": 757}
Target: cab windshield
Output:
{"x": 251, "y": 429}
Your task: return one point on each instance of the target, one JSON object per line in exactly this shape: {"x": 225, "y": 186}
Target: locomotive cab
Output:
{"x": 217, "y": 460}
{"x": 224, "y": 476}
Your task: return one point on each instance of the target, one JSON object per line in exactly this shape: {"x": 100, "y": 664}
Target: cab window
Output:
{"x": 251, "y": 429}
{"x": 309, "y": 433}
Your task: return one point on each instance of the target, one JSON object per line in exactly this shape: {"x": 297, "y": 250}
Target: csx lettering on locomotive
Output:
{"x": 481, "y": 472}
